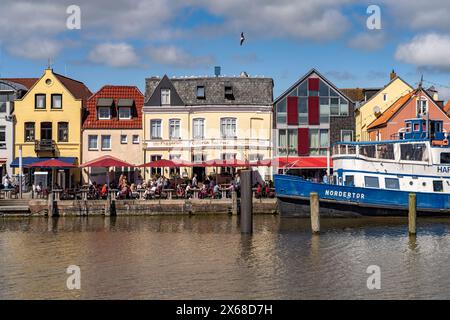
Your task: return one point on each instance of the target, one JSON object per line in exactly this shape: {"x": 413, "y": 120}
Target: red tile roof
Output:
{"x": 447, "y": 108}
{"x": 91, "y": 120}
{"x": 77, "y": 88}
{"x": 26, "y": 82}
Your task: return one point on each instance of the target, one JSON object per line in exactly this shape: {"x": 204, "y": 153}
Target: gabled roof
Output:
{"x": 382, "y": 89}
{"x": 392, "y": 110}
{"x": 26, "y": 82}
{"x": 155, "y": 98}
{"x": 77, "y": 88}
{"x": 313, "y": 70}
{"x": 114, "y": 94}
{"x": 356, "y": 94}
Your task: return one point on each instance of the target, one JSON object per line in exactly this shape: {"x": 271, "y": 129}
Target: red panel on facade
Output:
{"x": 313, "y": 84}
{"x": 303, "y": 141}
{"x": 292, "y": 110}
{"x": 313, "y": 110}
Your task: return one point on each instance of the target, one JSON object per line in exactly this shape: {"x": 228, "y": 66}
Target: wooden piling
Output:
{"x": 412, "y": 213}
{"x": 315, "y": 218}
{"x": 246, "y": 202}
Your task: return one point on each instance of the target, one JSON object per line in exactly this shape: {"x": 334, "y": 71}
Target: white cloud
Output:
{"x": 368, "y": 41}
{"x": 34, "y": 48}
{"x": 430, "y": 50}
{"x": 177, "y": 57}
{"x": 114, "y": 55}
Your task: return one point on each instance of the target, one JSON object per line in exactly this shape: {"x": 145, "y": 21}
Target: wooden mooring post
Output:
{"x": 315, "y": 218}
{"x": 412, "y": 214}
{"x": 246, "y": 202}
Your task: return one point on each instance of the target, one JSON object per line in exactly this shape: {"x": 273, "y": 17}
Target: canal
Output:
{"x": 206, "y": 257}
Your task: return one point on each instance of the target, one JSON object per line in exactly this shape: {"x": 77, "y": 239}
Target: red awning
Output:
{"x": 52, "y": 163}
{"x": 106, "y": 162}
{"x": 264, "y": 163}
{"x": 304, "y": 162}
{"x": 163, "y": 163}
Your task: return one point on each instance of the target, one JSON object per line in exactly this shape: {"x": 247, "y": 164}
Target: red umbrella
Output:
{"x": 163, "y": 163}
{"x": 264, "y": 163}
{"x": 52, "y": 163}
{"x": 106, "y": 162}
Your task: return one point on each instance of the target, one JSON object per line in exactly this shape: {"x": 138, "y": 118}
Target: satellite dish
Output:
{"x": 376, "y": 110}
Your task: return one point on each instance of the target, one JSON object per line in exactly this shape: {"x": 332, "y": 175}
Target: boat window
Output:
{"x": 385, "y": 151}
{"x": 438, "y": 186}
{"x": 413, "y": 152}
{"x": 342, "y": 149}
{"x": 351, "y": 149}
{"x": 367, "y": 151}
{"x": 371, "y": 182}
{"x": 445, "y": 157}
{"x": 392, "y": 183}
{"x": 350, "y": 181}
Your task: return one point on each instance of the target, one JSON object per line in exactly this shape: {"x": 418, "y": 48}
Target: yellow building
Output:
{"x": 372, "y": 108}
{"x": 197, "y": 119}
{"x": 48, "y": 121}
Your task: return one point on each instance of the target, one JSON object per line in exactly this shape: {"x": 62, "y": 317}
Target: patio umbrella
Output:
{"x": 107, "y": 162}
{"x": 264, "y": 163}
{"x": 164, "y": 163}
{"x": 52, "y": 164}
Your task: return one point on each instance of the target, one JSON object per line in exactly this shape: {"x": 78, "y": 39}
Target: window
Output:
{"x": 29, "y": 131}
{"x": 4, "y": 98}
{"x": 123, "y": 138}
{"x": 385, "y": 151}
{"x": 63, "y": 131}
{"x": 324, "y": 105}
{"x": 438, "y": 186}
{"x": 135, "y": 138}
{"x": 155, "y": 129}
{"x": 392, "y": 183}
{"x": 125, "y": 113}
{"x": 324, "y": 90}
{"x": 303, "y": 89}
{"x": 343, "y": 108}
{"x": 92, "y": 142}
{"x": 385, "y": 97}
{"x": 413, "y": 152}
{"x": 255, "y": 157}
{"x": 104, "y": 113}
{"x": 422, "y": 107}
{"x": 2, "y": 137}
{"x": 106, "y": 142}
{"x": 282, "y": 142}
{"x": 318, "y": 141}
{"x": 39, "y": 101}
{"x": 229, "y": 92}
{"x": 288, "y": 142}
{"x": 371, "y": 182}
{"x": 165, "y": 97}
{"x": 198, "y": 157}
{"x": 281, "y": 111}
{"x": 350, "y": 181}
{"x": 445, "y": 157}
{"x": 56, "y": 101}
{"x": 346, "y": 135}
{"x": 367, "y": 151}
{"x": 200, "y": 92}
{"x": 293, "y": 141}
{"x": 228, "y": 127}
{"x": 199, "y": 128}
{"x": 174, "y": 129}
{"x": 334, "y": 106}
{"x": 303, "y": 110}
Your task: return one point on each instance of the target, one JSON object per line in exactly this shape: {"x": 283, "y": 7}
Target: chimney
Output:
{"x": 217, "y": 71}
{"x": 393, "y": 75}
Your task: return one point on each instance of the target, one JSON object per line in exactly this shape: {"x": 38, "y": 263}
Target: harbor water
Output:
{"x": 206, "y": 257}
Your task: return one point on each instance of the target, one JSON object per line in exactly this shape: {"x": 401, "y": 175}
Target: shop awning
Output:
{"x": 26, "y": 161}
{"x": 304, "y": 162}
{"x": 104, "y": 102}
{"x": 164, "y": 163}
{"x": 125, "y": 103}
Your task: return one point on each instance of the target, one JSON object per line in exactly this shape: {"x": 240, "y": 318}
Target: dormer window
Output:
{"x": 422, "y": 107}
{"x": 200, "y": 92}
{"x": 165, "y": 97}
{"x": 104, "y": 113}
{"x": 125, "y": 113}
{"x": 229, "y": 92}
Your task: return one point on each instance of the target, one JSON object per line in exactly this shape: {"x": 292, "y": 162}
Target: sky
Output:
{"x": 125, "y": 41}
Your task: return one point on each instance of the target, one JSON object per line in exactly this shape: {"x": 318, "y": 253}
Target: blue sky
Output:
{"x": 124, "y": 41}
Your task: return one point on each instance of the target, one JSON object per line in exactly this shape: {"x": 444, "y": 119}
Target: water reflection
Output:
{"x": 204, "y": 257}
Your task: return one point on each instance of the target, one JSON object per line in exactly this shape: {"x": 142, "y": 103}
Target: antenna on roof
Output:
{"x": 421, "y": 82}
{"x": 50, "y": 63}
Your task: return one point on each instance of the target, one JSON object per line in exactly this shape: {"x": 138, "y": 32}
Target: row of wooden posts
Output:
{"x": 315, "y": 217}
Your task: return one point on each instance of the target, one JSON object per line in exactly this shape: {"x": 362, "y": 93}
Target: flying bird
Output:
{"x": 242, "y": 38}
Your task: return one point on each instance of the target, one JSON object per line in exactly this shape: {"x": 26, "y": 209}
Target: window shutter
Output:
{"x": 292, "y": 110}
{"x": 303, "y": 141}
{"x": 313, "y": 84}
{"x": 313, "y": 110}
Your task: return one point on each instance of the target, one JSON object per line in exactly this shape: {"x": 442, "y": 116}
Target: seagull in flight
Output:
{"x": 242, "y": 38}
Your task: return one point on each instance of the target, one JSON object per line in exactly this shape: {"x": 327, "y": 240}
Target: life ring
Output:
{"x": 445, "y": 142}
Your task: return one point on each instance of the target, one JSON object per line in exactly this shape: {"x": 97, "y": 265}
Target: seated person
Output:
{"x": 216, "y": 191}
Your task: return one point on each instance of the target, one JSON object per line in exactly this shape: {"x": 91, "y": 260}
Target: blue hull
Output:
{"x": 293, "y": 199}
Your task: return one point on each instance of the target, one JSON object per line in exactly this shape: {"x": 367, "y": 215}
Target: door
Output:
{"x": 46, "y": 131}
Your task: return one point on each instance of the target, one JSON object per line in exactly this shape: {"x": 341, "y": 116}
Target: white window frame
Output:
{"x": 91, "y": 136}
{"x": 421, "y": 106}
{"x": 123, "y": 141}
{"x": 100, "y": 114}
{"x": 110, "y": 142}
{"x": 165, "y": 97}
{"x": 346, "y": 131}
{"x": 226, "y": 127}
{"x": 152, "y": 121}
{"x": 135, "y": 141}
{"x": 129, "y": 114}
{"x": 196, "y": 126}
{"x": 3, "y": 143}
{"x": 174, "y": 124}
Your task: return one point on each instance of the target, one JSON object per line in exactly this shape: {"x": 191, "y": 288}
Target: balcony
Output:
{"x": 44, "y": 145}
